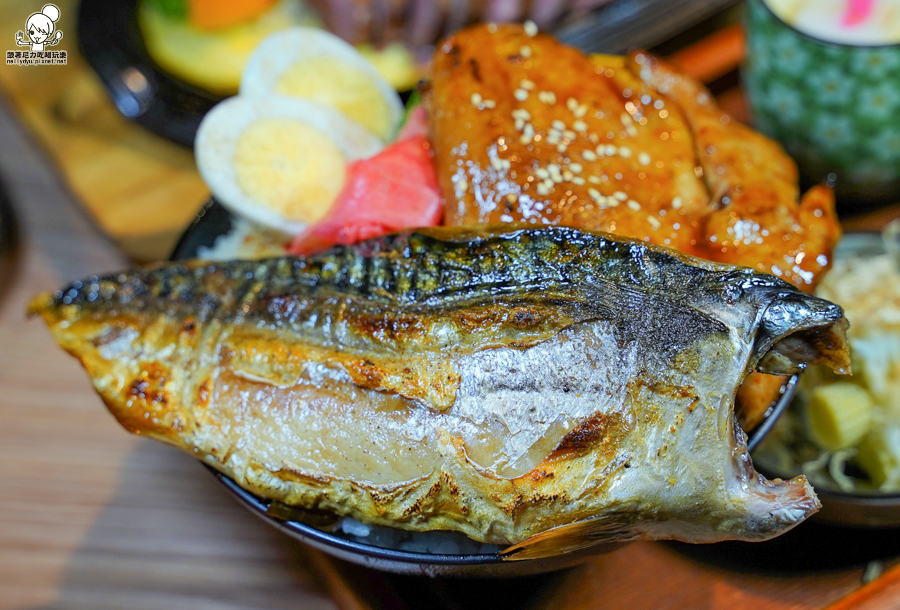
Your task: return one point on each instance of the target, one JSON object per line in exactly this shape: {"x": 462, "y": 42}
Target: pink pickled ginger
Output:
{"x": 394, "y": 190}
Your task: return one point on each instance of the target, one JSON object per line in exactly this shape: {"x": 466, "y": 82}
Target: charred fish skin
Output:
{"x": 430, "y": 270}
{"x": 507, "y": 384}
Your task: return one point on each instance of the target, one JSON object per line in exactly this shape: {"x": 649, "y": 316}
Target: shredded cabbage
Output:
{"x": 869, "y": 291}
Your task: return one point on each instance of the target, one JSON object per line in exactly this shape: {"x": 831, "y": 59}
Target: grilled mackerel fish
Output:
{"x": 543, "y": 388}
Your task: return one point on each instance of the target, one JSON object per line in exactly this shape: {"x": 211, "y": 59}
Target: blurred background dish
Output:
{"x": 110, "y": 40}
{"x": 844, "y": 433}
{"x": 207, "y": 43}
{"x": 165, "y": 63}
{"x": 7, "y": 237}
{"x": 825, "y": 81}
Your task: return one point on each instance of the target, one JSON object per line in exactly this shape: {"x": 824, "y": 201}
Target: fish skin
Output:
{"x": 264, "y": 368}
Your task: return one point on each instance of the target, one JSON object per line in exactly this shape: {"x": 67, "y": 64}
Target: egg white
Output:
{"x": 221, "y": 129}
{"x": 282, "y": 50}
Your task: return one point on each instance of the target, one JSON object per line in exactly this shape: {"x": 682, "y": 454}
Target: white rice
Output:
{"x": 245, "y": 241}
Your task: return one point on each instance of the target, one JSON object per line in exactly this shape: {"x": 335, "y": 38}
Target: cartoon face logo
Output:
{"x": 40, "y": 29}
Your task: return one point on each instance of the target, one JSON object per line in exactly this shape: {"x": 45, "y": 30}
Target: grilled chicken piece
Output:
{"x": 544, "y": 387}
{"x": 526, "y": 129}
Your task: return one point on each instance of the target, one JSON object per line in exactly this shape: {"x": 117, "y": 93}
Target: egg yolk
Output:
{"x": 289, "y": 167}
{"x": 332, "y": 82}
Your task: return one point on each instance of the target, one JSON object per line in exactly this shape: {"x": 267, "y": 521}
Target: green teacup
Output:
{"x": 834, "y": 107}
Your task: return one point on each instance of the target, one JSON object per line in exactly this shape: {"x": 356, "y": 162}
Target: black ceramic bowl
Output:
{"x": 109, "y": 38}
{"x": 861, "y": 509}
{"x": 214, "y": 220}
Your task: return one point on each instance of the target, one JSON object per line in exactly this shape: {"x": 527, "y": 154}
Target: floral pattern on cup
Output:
{"x": 835, "y": 108}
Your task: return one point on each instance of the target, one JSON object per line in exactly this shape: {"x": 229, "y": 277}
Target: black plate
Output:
{"x": 214, "y": 220}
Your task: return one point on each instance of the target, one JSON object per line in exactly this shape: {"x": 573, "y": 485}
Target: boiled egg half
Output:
{"x": 315, "y": 65}
{"x": 279, "y": 161}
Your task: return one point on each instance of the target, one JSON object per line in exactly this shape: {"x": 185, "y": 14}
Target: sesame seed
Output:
{"x": 460, "y": 187}
{"x": 525, "y": 139}
{"x": 548, "y": 183}
{"x": 531, "y": 28}
{"x": 547, "y": 97}
{"x": 520, "y": 123}
{"x": 580, "y": 111}
{"x": 553, "y": 137}
{"x": 520, "y": 94}
{"x": 500, "y": 164}
{"x": 594, "y": 194}
{"x": 572, "y": 104}
{"x": 676, "y": 203}
{"x": 490, "y": 104}
{"x": 633, "y": 205}
{"x": 521, "y": 113}
{"x": 570, "y": 134}
{"x": 625, "y": 118}
{"x": 567, "y": 175}
{"x": 578, "y": 180}
{"x": 476, "y": 99}
{"x": 526, "y": 84}
{"x": 542, "y": 173}
{"x": 644, "y": 159}
{"x": 525, "y": 51}
{"x": 579, "y": 126}
{"x": 654, "y": 222}
{"x": 575, "y": 167}
{"x": 492, "y": 28}
{"x": 589, "y": 155}
{"x": 561, "y": 147}
{"x": 559, "y": 125}
{"x": 594, "y": 179}
{"x": 620, "y": 195}
{"x": 610, "y": 150}
{"x": 542, "y": 189}
{"x": 625, "y": 152}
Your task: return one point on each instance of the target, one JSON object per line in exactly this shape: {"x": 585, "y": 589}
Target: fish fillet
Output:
{"x": 546, "y": 388}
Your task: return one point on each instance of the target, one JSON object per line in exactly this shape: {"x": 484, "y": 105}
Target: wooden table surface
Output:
{"x": 92, "y": 518}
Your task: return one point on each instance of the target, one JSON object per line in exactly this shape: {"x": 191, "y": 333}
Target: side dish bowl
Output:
{"x": 109, "y": 38}
{"x": 867, "y": 509}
